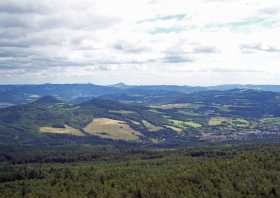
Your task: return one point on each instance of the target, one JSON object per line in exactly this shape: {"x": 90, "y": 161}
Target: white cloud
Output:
{"x": 146, "y": 42}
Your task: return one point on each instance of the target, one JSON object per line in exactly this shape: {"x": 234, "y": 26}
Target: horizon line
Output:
{"x": 127, "y": 84}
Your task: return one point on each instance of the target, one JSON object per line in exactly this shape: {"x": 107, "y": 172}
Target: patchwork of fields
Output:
{"x": 211, "y": 116}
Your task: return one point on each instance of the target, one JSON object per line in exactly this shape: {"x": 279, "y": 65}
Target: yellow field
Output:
{"x": 67, "y": 130}
{"x": 184, "y": 124}
{"x": 124, "y": 112}
{"x": 174, "y": 106}
{"x": 112, "y": 129}
{"x": 217, "y": 121}
{"x": 178, "y": 130}
{"x": 150, "y": 127}
{"x": 235, "y": 122}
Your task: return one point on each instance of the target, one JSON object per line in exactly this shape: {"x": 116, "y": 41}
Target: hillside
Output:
{"x": 157, "y": 118}
{"x": 48, "y": 116}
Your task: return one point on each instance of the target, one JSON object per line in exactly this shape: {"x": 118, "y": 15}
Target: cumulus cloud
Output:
{"x": 205, "y": 50}
{"x": 176, "y": 17}
{"x": 175, "y": 59}
{"x": 156, "y": 42}
{"x": 251, "y": 48}
{"x": 129, "y": 47}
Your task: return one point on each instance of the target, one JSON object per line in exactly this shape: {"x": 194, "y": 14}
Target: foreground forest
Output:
{"x": 87, "y": 171}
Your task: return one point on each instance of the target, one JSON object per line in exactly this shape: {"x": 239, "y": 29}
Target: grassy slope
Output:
{"x": 112, "y": 129}
{"x": 63, "y": 130}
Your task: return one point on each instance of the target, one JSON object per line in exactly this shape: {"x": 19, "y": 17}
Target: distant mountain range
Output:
{"x": 18, "y": 94}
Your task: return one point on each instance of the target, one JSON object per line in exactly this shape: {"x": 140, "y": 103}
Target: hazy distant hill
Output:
{"x": 17, "y": 94}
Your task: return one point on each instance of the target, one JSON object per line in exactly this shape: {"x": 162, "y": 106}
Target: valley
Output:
{"x": 156, "y": 117}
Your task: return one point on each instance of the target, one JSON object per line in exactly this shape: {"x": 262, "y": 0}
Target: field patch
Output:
{"x": 174, "y": 106}
{"x": 112, "y": 129}
{"x": 240, "y": 122}
{"x": 223, "y": 121}
{"x": 224, "y": 108}
{"x": 155, "y": 111}
{"x": 122, "y": 112}
{"x": 135, "y": 122}
{"x": 218, "y": 121}
{"x": 177, "y": 130}
{"x": 271, "y": 121}
{"x": 184, "y": 124}
{"x": 66, "y": 130}
{"x": 150, "y": 127}
{"x": 189, "y": 113}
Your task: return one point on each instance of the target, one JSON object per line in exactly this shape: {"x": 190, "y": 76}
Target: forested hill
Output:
{"x": 93, "y": 172}
{"x": 16, "y": 94}
{"x": 161, "y": 118}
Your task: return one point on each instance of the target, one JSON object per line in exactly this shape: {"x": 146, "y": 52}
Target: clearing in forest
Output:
{"x": 66, "y": 130}
{"x": 112, "y": 129}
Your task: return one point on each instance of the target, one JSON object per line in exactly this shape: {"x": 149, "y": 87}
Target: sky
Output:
{"x": 183, "y": 42}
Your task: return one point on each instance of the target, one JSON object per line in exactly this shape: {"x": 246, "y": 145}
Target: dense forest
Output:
{"x": 91, "y": 171}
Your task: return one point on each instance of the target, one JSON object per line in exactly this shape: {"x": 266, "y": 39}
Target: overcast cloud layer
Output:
{"x": 195, "y": 42}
